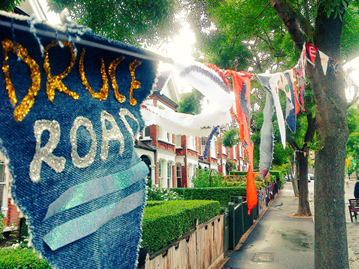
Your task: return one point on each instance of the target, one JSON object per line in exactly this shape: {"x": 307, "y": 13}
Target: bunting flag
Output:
{"x": 324, "y": 62}
{"x": 267, "y": 137}
{"x": 270, "y": 83}
{"x": 242, "y": 88}
{"x": 69, "y": 118}
{"x": 291, "y": 118}
{"x": 300, "y": 76}
{"x": 294, "y": 82}
{"x": 311, "y": 52}
{"x": 212, "y": 86}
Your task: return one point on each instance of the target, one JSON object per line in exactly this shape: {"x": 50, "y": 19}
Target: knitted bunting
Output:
{"x": 241, "y": 88}
{"x": 68, "y": 133}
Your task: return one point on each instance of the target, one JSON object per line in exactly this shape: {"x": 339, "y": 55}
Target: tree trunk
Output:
{"x": 303, "y": 205}
{"x": 294, "y": 179}
{"x": 331, "y": 248}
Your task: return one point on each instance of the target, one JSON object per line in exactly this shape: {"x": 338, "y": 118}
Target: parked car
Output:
{"x": 311, "y": 176}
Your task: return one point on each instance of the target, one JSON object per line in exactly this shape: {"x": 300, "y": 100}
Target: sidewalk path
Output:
{"x": 278, "y": 240}
{"x": 352, "y": 228}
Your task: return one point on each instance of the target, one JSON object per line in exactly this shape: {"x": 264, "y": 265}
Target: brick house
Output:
{"x": 172, "y": 158}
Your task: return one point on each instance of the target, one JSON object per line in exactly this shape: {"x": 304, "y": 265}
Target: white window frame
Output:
{"x": 178, "y": 141}
{"x": 213, "y": 148}
{"x": 178, "y": 172}
{"x": 203, "y": 144}
{"x": 169, "y": 175}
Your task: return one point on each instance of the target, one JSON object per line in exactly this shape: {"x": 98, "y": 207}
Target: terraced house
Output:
{"x": 173, "y": 158}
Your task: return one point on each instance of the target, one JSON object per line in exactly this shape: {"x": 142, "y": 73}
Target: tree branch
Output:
{"x": 290, "y": 19}
{"x": 260, "y": 14}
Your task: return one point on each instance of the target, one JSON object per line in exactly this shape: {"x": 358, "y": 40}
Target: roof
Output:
{"x": 143, "y": 145}
{"x": 161, "y": 81}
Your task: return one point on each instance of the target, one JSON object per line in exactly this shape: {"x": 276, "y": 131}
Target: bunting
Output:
{"x": 242, "y": 88}
{"x": 68, "y": 125}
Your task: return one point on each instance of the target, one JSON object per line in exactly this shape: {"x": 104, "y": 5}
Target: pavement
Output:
{"x": 279, "y": 240}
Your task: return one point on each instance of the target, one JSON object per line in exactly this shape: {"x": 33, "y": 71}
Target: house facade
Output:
{"x": 172, "y": 158}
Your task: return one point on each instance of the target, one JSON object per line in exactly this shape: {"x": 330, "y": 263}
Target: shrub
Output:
{"x": 206, "y": 178}
{"x": 278, "y": 176}
{"x": 164, "y": 224}
{"x": 21, "y": 258}
{"x": 2, "y": 226}
{"x": 156, "y": 193}
{"x": 220, "y": 194}
{"x": 154, "y": 203}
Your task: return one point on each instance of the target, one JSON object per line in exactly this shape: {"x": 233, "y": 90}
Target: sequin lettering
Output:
{"x": 125, "y": 112}
{"x": 135, "y": 84}
{"x": 112, "y": 72}
{"x": 83, "y": 162}
{"x": 102, "y": 95}
{"x": 110, "y": 134}
{"x": 28, "y": 101}
{"x": 44, "y": 154}
{"x": 55, "y": 82}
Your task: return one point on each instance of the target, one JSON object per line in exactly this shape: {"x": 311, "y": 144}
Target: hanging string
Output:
{"x": 209, "y": 139}
{"x": 58, "y": 39}
{"x": 33, "y": 31}
{"x": 14, "y": 39}
{"x": 70, "y": 38}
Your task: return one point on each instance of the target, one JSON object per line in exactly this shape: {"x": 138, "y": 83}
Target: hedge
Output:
{"x": 220, "y": 194}
{"x": 154, "y": 203}
{"x": 21, "y": 258}
{"x": 278, "y": 175}
{"x": 164, "y": 224}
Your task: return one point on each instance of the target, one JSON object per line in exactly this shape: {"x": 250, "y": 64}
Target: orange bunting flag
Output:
{"x": 242, "y": 88}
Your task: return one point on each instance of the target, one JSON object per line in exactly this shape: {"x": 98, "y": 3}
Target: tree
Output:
{"x": 133, "y": 22}
{"x": 324, "y": 24}
{"x": 9, "y": 5}
{"x": 331, "y": 250}
{"x": 191, "y": 102}
{"x": 353, "y": 140}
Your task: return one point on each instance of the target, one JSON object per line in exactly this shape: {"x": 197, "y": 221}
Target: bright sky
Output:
{"x": 354, "y": 75}
{"x": 180, "y": 49}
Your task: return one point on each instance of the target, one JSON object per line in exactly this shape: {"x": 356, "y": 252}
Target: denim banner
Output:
{"x": 69, "y": 117}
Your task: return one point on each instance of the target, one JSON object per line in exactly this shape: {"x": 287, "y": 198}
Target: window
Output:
{"x": 169, "y": 137}
{"x": 169, "y": 175}
{"x": 213, "y": 148}
{"x": 224, "y": 149}
{"x": 178, "y": 141}
{"x": 179, "y": 175}
{"x": 164, "y": 135}
{"x": 147, "y": 131}
{"x": 191, "y": 142}
{"x": 160, "y": 169}
{"x": 203, "y": 145}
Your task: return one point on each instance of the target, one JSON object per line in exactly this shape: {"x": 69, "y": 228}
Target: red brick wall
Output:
{"x": 13, "y": 215}
{"x": 184, "y": 177}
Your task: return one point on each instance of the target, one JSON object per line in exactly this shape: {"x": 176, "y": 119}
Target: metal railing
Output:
{"x": 237, "y": 221}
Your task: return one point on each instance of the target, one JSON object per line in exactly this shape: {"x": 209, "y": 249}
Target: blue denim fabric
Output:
{"x": 112, "y": 244}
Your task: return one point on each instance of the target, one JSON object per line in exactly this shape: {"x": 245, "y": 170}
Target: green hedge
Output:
{"x": 220, "y": 194}
{"x": 164, "y": 224}
{"x": 154, "y": 203}
{"x": 21, "y": 258}
{"x": 239, "y": 173}
{"x": 278, "y": 175}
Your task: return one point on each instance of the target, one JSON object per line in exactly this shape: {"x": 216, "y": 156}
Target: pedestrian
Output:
{"x": 356, "y": 190}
